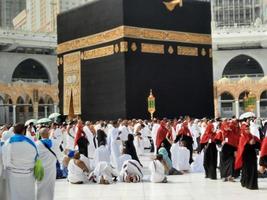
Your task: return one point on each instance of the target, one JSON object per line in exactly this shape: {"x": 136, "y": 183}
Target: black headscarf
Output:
{"x": 101, "y": 137}
{"x": 130, "y": 148}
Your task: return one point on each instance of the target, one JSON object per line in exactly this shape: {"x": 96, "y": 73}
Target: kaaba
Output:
{"x": 112, "y": 52}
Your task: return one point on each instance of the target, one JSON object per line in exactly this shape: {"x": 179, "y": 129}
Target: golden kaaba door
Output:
{"x": 72, "y": 83}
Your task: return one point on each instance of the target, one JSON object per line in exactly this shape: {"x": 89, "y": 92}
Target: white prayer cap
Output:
{"x": 6, "y": 135}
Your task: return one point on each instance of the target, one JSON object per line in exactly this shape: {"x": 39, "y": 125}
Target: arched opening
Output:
{"x": 226, "y": 105}
{"x": 241, "y": 66}
{"x": 46, "y": 106}
{"x": 30, "y": 71}
{"x": 6, "y": 109}
{"x": 41, "y": 108}
{"x": 20, "y": 110}
{"x": 50, "y": 105}
{"x": 24, "y": 109}
{"x": 241, "y": 102}
{"x": 263, "y": 104}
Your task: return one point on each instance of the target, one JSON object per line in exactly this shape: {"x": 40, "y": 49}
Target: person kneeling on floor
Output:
{"x": 131, "y": 172}
{"x": 104, "y": 173}
{"x": 157, "y": 170}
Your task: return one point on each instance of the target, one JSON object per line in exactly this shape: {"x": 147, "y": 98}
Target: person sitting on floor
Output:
{"x": 78, "y": 172}
{"x": 157, "y": 170}
{"x": 166, "y": 161}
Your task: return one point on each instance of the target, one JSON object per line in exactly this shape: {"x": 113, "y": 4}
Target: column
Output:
{"x": 14, "y": 114}
{"x": 258, "y": 108}
{"x": 26, "y": 112}
{"x": 45, "y": 109}
{"x": 237, "y": 108}
{"x": 35, "y": 110}
{"x": 219, "y": 107}
{"x": 7, "y": 115}
{"x": 216, "y": 113}
{"x": 55, "y": 107}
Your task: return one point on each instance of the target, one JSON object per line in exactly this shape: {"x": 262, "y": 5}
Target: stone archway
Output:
{"x": 263, "y": 104}
{"x": 6, "y": 109}
{"x": 46, "y": 105}
{"x": 50, "y": 105}
{"x": 24, "y": 108}
{"x": 243, "y": 65}
{"x": 227, "y": 105}
{"x": 31, "y": 71}
{"x": 241, "y": 97}
{"x": 41, "y": 108}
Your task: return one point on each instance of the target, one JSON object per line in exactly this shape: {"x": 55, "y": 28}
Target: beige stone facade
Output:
{"x": 235, "y": 88}
{"x": 21, "y": 101}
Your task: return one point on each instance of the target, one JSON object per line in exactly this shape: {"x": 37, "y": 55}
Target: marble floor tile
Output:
{"x": 185, "y": 187}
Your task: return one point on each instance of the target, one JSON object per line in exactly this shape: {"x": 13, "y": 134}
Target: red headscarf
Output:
{"x": 209, "y": 134}
{"x": 229, "y": 132}
{"x": 79, "y": 133}
{"x": 219, "y": 135}
{"x": 246, "y": 136}
{"x": 184, "y": 130}
{"x": 161, "y": 134}
{"x": 264, "y": 148}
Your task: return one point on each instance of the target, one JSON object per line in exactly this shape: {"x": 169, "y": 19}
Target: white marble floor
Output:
{"x": 185, "y": 187}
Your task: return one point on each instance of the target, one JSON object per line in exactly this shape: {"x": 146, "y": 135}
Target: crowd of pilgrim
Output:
{"x": 106, "y": 152}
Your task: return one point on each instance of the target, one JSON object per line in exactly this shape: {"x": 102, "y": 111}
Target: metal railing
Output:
{"x": 238, "y": 76}
{"x": 30, "y": 80}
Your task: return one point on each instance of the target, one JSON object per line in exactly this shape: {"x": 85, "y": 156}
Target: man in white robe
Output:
{"x": 57, "y": 137}
{"x": 154, "y": 132}
{"x": 136, "y": 125}
{"x": 104, "y": 173}
{"x": 30, "y": 132}
{"x": 97, "y": 126}
{"x": 131, "y": 172}
{"x": 254, "y": 129}
{"x": 146, "y": 133}
{"x": 124, "y": 132}
{"x": 180, "y": 156}
{"x": 78, "y": 171}
{"x": 90, "y": 138}
{"x": 114, "y": 143}
{"x": 138, "y": 139}
{"x": 195, "y": 131}
{"x": 64, "y": 135}
{"x": 2, "y": 178}
{"x": 157, "y": 172}
{"x": 19, "y": 160}
{"x": 46, "y": 187}
{"x": 70, "y": 136}
{"x": 101, "y": 154}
